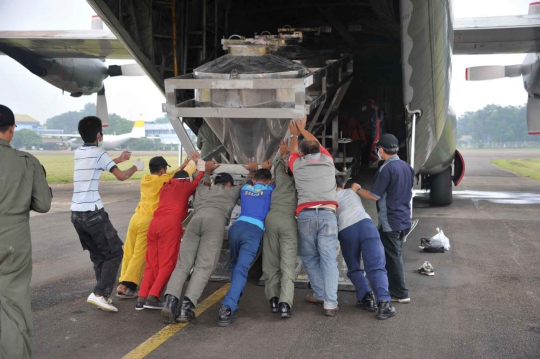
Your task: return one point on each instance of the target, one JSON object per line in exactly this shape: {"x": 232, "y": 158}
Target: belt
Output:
{"x": 320, "y": 209}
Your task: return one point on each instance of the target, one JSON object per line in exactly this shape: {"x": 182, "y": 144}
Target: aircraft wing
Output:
{"x": 64, "y": 136}
{"x": 87, "y": 44}
{"x": 497, "y": 35}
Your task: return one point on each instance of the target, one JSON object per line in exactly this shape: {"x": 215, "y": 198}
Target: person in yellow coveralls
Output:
{"x": 135, "y": 246}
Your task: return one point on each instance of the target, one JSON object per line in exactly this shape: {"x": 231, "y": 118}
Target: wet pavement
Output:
{"x": 483, "y": 302}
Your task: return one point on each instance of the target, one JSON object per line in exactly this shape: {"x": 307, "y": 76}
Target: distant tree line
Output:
{"x": 496, "y": 123}
{"x": 69, "y": 121}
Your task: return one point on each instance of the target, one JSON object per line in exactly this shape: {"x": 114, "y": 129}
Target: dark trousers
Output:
{"x": 393, "y": 243}
{"x": 244, "y": 242}
{"x": 98, "y": 236}
{"x": 363, "y": 239}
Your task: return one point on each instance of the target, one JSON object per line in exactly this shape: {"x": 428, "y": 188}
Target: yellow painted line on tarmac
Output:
{"x": 160, "y": 337}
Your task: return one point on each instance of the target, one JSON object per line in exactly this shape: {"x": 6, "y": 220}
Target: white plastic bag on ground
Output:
{"x": 444, "y": 239}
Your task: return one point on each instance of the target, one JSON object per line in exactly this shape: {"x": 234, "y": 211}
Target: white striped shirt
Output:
{"x": 90, "y": 161}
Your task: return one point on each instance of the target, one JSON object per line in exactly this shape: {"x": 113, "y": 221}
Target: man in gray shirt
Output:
{"x": 359, "y": 236}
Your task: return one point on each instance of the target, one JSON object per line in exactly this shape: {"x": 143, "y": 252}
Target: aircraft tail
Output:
{"x": 138, "y": 129}
{"x": 97, "y": 23}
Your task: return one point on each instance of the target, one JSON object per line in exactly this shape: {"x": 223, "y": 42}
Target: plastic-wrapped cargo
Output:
{"x": 249, "y": 139}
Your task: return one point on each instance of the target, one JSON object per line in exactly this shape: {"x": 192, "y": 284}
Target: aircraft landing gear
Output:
{"x": 440, "y": 191}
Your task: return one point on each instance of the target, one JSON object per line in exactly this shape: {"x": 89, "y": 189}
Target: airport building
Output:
{"x": 25, "y": 122}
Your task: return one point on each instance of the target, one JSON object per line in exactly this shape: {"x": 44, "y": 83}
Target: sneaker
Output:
{"x": 331, "y": 312}
{"x": 368, "y": 302}
{"x": 401, "y": 300}
{"x": 139, "y": 305}
{"x": 310, "y": 298}
{"x": 128, "y": 294}
{"x": 225, "y": 317}
{"x": 426, "y": 269}
{"x": 153, "y": 304}
{"x": 109, "y": 301}
{"x": 385, "y": 310}
{"x": 186, "y": 311}
{"x": 100, "y": 302}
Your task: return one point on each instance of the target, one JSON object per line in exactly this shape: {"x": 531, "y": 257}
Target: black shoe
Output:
{"x": 153, "y": 304}
{"x": 186, "y": 311}
{"x": 367, "y": 303}
{"x": 169, "y": 312}
{"x": 274, "y": 305}
{"x": 225, "y": 317}
{"x": 284, "y": 310}
{"x": 139, "y": 306}
{"x": 385, "y": 310}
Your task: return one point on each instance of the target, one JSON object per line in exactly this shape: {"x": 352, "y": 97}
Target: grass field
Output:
{"x": 529, "y": 167}
{"x": 59, "y": 167}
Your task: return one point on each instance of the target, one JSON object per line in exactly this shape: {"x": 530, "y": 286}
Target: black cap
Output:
{"x": 181, "y": 174}
{"x": 224, "y": 178}
{"x": 158, "y": 161}
{"x": 388, "y": 141}
{"x": 6, "y": 116}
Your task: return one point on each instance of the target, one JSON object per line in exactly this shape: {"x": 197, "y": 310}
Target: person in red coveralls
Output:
{"x": 164, "y": 236}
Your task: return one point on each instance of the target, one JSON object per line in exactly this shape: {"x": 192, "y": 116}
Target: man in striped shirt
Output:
{"x": 96, "y": 233}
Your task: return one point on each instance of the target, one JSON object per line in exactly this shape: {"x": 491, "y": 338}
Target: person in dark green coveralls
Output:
{"x": 24, "y": 188}
{"x": 280, "y": 243}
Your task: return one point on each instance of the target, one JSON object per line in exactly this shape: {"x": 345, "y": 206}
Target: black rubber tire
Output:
{"x": 440, "y": 193}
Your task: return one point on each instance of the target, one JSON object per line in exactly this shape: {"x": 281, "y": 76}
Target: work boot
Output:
{"x": 186, "y": 311}
{"x": 284, "y": 310}
{"x": 225, "y": 316}
{"x": 169, "y": 312}
{"x": 367, "y": 303}
{"x": 331, "y": 312}
{"x": 385, "y": 310}
{"x": 274, "y": 305}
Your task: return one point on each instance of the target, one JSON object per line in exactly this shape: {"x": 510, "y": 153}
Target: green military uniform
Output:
{"x": 207, "y": 141}
{"x": 280, "y": 242}
{"x": 24, "y": 188}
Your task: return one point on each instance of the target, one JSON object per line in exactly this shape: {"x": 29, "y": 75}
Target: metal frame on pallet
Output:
{"x": 311, "y": 92}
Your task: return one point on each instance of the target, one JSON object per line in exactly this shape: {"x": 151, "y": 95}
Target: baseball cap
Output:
{"x": 181, "y": 174}
{"x": 6, "y": 116}
{"x": 388, "y": 141}
{"x": 224, "y": 178}
{"x": 158, "y": 161}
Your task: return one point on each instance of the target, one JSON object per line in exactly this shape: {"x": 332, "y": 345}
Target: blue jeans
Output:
{"x": 317, "y": 247}
{"x": 362, "y": 238}
{"x": 244, "y": 242}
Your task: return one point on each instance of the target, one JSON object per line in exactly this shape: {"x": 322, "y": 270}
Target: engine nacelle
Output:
{"x": 530, "y": 72}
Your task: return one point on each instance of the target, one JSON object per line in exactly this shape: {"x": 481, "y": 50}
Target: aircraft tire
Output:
{"x": 440, "y": 193}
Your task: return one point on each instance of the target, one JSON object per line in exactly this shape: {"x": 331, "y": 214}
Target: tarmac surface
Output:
{"x": 483, "y": 302}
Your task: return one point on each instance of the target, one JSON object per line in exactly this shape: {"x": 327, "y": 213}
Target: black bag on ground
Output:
{"x": 431, "y": 245}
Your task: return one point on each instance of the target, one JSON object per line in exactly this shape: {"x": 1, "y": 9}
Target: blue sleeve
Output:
{"x": 382, "y": 180}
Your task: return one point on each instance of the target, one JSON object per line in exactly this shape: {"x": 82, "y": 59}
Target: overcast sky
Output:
{"x": 137, "y": 97}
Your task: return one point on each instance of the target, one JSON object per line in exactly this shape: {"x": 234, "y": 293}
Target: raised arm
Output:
{"x": 301, "y": 125}
{"x": 124, "y": 156}
{"x": 295, "y": 132}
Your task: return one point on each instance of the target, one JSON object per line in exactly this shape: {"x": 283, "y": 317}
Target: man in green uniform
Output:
{"x": 280, "y": 241}
{"x": 24, "y": 188}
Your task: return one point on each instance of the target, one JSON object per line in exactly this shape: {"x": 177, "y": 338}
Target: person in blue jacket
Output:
{"x": 245, "y": 237}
